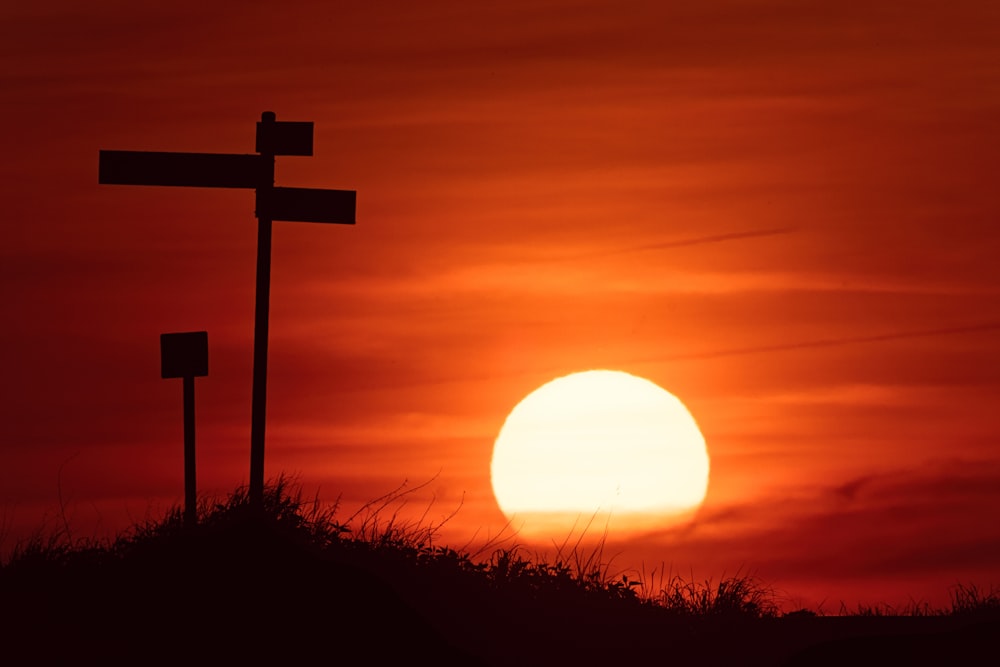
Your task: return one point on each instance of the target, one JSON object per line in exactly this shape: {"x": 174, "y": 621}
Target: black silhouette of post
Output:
{"x": 220, "y": 170}
{"x": 262, "y": 307}
{"x": 190, "y": 470}
{"x": 185, "y": 355}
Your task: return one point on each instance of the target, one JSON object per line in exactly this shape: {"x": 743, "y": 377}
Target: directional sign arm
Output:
{"x": 204, "y": 170}
{"x": 285, "y": 137}
{"x": 307, "y": 205}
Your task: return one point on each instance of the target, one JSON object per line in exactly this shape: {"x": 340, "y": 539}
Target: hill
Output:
{"x": 290, "y": 583}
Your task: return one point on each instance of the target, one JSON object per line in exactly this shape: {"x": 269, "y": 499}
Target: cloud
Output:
{"x": 933, "y": 522}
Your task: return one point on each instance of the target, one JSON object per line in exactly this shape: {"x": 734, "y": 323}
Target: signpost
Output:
{"x": 185, "y": 355}
{"x": 256, "y": 172}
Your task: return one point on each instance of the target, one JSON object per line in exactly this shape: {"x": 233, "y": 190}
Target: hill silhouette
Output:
{"x": 291, "y": 583}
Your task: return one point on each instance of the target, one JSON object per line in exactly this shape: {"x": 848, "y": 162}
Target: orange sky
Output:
{"x": 784, "y": 213}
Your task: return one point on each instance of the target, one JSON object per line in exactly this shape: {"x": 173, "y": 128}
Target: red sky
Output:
{"x": 784, "y": 213}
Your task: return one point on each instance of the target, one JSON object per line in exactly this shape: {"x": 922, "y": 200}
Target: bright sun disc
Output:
{"x": 600, "y": 447}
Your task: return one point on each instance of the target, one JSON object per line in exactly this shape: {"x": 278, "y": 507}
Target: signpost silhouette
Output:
{"x": 256, "y": 172}
{"x": 185, "y": 355}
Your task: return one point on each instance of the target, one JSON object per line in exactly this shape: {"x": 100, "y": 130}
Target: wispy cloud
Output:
{"x": 928, "y": 521}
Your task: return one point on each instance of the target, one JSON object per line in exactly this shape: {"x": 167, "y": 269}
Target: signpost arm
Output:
{"x": 190, "y": 488}
{"x": 261, "y": 308}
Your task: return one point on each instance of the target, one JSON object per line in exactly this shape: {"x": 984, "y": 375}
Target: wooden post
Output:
{"x": 258, "y": 412}
{"x": 190, "y": 484}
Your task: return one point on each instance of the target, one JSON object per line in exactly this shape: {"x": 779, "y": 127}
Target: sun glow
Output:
{"x": 600, "y": 447}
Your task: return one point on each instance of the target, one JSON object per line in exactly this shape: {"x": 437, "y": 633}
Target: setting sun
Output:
{"x": 600, "y": 448}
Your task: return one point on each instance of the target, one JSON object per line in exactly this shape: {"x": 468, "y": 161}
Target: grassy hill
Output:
{"x": 291, "y": 583}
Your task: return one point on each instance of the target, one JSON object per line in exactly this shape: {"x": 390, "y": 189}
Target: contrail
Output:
{"x": 832, "y": 342}
{"x": 733, "y": 352}
{"x": 680, "y": 243}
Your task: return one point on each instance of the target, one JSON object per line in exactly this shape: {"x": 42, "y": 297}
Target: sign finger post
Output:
{"x": 256, "y": 172}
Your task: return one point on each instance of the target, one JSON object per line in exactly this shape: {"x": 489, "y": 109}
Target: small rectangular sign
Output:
{"x": 200, "y": 170}
{"x": 307, "y": 205}
{"x": 184, "y": 354}
{"x": 285, "y": 138}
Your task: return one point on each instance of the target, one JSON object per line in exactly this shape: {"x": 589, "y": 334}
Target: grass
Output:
{"x": 377, "y": 531}
{"x": 264, "y": 571}
{"x": 970, "y": 600}
{"x": 740, "y": 596}
{"x": 967, "y": 601}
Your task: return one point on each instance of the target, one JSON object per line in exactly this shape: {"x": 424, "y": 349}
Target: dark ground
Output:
{"x": 259, "y": 595}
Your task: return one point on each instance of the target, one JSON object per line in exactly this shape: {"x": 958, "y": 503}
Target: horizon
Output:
{"x": 784, "y": 216}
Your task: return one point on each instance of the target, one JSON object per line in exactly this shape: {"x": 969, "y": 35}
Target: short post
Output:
{"x": 185, "y": 355}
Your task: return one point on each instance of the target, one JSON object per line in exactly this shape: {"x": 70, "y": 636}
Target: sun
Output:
{"x": 598, "y": 449}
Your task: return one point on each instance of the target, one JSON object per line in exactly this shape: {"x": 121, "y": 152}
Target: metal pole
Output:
{"x": 261, "y": 308}
{"x": 190, "y": 487}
